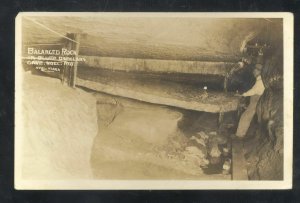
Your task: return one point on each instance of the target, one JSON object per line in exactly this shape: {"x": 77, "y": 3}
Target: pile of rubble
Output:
{"x": 211, "y": 151}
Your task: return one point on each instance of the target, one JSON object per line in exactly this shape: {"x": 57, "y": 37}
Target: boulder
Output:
{"x": 59, "y": 124}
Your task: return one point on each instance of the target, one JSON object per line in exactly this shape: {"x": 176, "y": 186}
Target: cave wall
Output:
{"x": 59, "y": 124}
{"x": 265, "y": 157}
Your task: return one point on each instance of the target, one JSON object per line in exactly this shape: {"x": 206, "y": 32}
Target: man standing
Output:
{"x": 255, "y": 92}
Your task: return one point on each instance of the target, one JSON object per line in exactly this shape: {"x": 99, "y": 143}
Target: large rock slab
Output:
{"x": 59, "y": 124}
{"x": 157, "y": 91}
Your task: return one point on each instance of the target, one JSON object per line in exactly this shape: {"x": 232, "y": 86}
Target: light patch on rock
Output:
{"x": 60, "y": 124}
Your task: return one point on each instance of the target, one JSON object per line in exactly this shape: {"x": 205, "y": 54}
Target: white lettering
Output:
{"x": 68, "y": 52}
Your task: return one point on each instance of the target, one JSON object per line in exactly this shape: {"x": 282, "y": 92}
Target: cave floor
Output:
{"x": 138, "y": 140}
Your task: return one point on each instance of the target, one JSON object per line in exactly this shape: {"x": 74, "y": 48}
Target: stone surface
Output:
{"x": 60, "y": 124}
{"x": 213, "y": 39}
{"x": 144, "y": 142}
{"x": 265, "y": 150}
{"x": 158, "y": 91}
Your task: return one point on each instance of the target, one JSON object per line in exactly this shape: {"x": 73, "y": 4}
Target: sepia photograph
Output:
{"x": 153, "y": 101}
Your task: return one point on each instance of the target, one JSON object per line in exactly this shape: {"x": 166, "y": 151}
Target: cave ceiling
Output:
{"x": 218, "y": 39}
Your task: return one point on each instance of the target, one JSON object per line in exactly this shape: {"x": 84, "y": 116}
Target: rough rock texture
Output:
{"x": 207, "y": 39}
{"x": 157, "y": 66}
{"x": 241, "y": 80}
{"x": 139, "y": 140}
{"x": 265, "y": 157}
{"x": 156, "y": 90}
{"x": 60, "y": 124}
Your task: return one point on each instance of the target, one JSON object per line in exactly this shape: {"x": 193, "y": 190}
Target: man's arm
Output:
{"x": 257, "y": 89}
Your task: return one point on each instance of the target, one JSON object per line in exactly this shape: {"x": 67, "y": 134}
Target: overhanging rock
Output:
{"x": 176, "y": 95}
{"x": 158, "y": 65}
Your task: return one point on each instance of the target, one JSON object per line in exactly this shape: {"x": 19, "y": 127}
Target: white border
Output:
{"x": 164, "y": 184}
